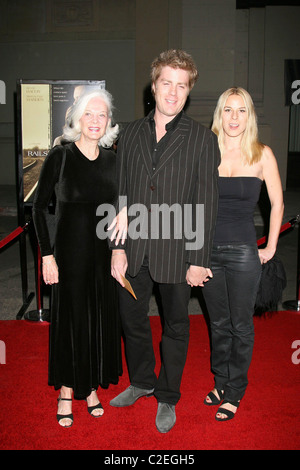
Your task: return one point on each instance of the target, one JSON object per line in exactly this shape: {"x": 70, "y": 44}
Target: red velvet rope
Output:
{"x": 12, "y": 235}
{"x": 283, "y": 228}
{"x": 19, "y": 230}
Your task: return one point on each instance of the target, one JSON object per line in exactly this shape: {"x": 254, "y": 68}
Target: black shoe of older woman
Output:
{"x": 97, "y": 407}
{"x": 61, "y": 417}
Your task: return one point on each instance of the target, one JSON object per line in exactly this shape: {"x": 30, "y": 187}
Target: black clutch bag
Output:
{"x": 272, "y": 284}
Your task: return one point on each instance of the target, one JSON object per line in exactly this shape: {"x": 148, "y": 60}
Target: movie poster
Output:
{"x": 45, "y": 108}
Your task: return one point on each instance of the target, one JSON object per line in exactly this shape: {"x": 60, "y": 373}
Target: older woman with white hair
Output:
{"x": 85, "y": 350}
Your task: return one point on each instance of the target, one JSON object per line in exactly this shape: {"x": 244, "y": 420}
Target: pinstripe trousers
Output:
{"x": 138, "y": 335}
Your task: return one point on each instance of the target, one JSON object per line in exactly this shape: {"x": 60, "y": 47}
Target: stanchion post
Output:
{"x": 40, "y": 314}
{"x": 20, "y": 234}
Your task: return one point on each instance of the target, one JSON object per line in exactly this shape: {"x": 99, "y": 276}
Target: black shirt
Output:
{"x": 159, "y": 147}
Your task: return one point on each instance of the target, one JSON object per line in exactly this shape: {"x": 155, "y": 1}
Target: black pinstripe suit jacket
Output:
{"x": 186, "y": 174}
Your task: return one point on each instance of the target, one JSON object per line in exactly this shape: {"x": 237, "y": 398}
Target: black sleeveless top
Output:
{"x": 238, "y": 197}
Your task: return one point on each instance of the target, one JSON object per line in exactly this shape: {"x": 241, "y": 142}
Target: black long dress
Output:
{"x": 85, "y": 340}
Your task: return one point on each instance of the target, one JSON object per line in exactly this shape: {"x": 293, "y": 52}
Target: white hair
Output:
{"x": 72, "y": 130}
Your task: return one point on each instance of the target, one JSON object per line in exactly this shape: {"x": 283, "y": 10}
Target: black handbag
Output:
{"x": 272, "y": 284}
{"x": 51, "y": 218}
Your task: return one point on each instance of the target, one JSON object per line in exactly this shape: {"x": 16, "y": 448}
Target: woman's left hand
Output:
{"x": 265, "y": 254}
{"x": 50, "y": 270}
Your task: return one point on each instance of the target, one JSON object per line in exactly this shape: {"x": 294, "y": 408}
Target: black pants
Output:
{"x": 230, "y": 298}
{"x": 138, "y": 335}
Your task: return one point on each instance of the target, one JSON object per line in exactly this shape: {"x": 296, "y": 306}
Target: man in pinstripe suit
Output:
{"x": 165, "y": 159}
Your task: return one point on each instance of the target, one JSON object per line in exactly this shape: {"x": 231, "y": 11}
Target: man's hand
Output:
{"x": 197, "y": 275}
{"x": 119, "y": 265}
{"x": 120, "y": 226}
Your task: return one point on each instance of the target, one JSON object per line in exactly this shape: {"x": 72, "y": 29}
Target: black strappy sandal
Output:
{"x": 95, "y": 407}
{"x": 214, "y": 399}
{"x": 229, "y": 414}
{"x": 69, "y": 416}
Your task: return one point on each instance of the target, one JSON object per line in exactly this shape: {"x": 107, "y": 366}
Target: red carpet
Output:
{"x": 267, "y": 419}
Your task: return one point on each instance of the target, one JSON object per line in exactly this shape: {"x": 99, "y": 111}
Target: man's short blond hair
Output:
{"x": 176, "y": 59}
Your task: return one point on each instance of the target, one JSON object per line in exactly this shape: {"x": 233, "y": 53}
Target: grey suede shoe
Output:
{"x": 165, "y": 418}
{"x": 130, "y": 396}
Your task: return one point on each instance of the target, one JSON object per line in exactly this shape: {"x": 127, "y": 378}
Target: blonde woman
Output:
{"x": 236, "y": 261}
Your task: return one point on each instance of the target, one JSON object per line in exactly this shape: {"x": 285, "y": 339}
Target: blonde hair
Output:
{"x": 251, "y": 147}
{"x": 177, "y": 59}
{"x": 72, "y": 129}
